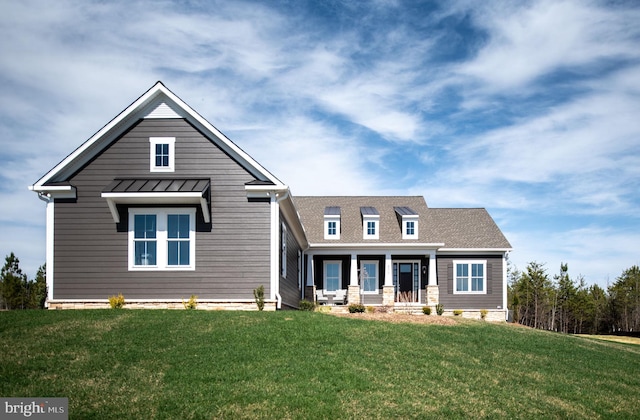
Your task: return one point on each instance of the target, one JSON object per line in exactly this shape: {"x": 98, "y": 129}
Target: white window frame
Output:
{"x": 469, "y": 263}
{"x": 153, "y": 141}
{"x": 375, "y": 291}
{"x": 327, "y": 220}
{"x": 324, "y": 277}
{"x": 162, "y": 239}
{"x": 283, "y": 250}
{"x": 376, "y": 226}
{"x": 405, "y": 227}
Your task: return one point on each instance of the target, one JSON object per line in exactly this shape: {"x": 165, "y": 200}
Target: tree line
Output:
{"x": 568, "y": 305}
{"x": 17, "y": 291}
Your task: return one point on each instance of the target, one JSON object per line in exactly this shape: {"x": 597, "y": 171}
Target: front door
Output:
{"x": 406, "y": 292}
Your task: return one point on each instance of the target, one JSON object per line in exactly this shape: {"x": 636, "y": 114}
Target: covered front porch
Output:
{"x": 372, "y": 278}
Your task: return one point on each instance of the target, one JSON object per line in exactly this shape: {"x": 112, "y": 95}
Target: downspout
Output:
{"x": 279, "y": 238}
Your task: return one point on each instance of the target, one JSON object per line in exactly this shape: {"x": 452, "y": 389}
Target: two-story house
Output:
{"x": 159, "y": 205}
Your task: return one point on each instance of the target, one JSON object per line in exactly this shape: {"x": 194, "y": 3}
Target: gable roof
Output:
{"x": 461, "y": 229}
{"x": 157, "y": 102}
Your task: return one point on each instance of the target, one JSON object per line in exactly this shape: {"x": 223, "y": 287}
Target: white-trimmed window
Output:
{"x": 470, "y": 277}
{"x": 332, "y": 229}
{"x": 332, "y": 276}
{"x": 162, "y": 238}
{"x": 370, "y": 228}
{"x": 162, "y": 154}
{"x": 283, "y": 250}
{"x": 369, "y": 276}
{"x": 409, "y": 228}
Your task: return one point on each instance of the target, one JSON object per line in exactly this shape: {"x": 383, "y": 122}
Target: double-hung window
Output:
{"x": 470, "y": 277}
{"x": 162, "y": 238}
{"x": 369, "y": 276}
{"x": 162, "y": 154}
{"x": 332, "y": 276}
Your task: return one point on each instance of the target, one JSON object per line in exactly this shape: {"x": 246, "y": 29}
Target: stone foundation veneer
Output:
{"x": 388, "y": 295}
{"x": 202, "y": 305}
{"x": 353, "y": 294}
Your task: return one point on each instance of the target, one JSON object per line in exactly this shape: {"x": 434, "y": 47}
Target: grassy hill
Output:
{"x": 196, "y": 364}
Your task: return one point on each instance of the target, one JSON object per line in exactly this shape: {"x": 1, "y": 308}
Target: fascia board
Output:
{"x": 156, "y": 198}
{"x": 137, "y": 110}
{"x": 378, "y": 245}
{"x": 472, "y": 250}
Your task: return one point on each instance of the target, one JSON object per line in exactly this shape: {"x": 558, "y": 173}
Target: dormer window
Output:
{"x": 370, "y": 223}
{"x": 409, "y": 222}
{"x": 332, "y": 222}
{"x": 162, "y": 154}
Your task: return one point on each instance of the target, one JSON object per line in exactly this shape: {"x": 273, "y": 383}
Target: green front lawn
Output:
{"x": 197, "y": 364}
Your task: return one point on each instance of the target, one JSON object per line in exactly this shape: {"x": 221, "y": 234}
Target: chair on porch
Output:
{"x": 320, "y": 297}
{"x": 340, "y": 297}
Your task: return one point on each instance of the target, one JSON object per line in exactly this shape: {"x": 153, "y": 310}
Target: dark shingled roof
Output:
{"x": 456, "y": 228}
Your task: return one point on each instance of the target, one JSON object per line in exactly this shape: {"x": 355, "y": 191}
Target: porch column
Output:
{"x": 354, "y": 288}
{"x": 310, "y": 284}
{"x": 388, "y": 291}
{"x": 432, "y": 292}
{"x": 433, "y": 280}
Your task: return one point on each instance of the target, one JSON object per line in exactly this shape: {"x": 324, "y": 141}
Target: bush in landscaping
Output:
{"x": 426, "y": 310}
{"x": 457, "y": 312}
{"x": 305, "y": 305}
{"x": 439, "y": 308}
{"x": 356, "y": 308}
{"x": 192, "y": 303}
{"x": 116, "y": 302}
{"x": 259, "y": 295}
{"x": 483, "y": 313}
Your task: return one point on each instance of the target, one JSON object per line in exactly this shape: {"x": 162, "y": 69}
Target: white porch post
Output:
{"x": 354, "y": 288}
{"x": 432, "y": 269}
{"x": 433, "y": 293}
{"x": 353, "y": 275}
{"x": 388, "y": 292}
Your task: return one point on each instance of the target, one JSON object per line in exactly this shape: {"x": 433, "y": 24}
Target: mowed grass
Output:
{"x": 197, "y": 364}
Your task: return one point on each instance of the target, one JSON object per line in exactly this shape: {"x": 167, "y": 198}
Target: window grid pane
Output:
{"x": 371, "y": 228}
{"x": 331, "y": 228}
{"x": 462, "y": 277}
{"x": 162, "y": 155}
{"x": 410, "y": 228}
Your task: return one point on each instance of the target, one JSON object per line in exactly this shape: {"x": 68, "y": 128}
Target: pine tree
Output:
{"x": 14, "y": 284}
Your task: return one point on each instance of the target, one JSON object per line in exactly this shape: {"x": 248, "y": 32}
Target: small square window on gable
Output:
{"x": 370, "y": 223}
{"x": 162, "y": 154}
{"x": 409, "y": 222}
{"x": 332, "y": 222}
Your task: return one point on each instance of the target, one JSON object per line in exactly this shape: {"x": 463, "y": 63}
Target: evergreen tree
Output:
{"x": 38, "y": 289}
{"x": 14, "y": 284}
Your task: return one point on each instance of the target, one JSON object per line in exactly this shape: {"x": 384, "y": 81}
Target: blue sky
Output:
{"x": 530, "y": 109}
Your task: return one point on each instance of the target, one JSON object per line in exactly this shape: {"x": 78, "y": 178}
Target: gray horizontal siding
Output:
{"x": 493, "y": 299}
{"x": 232, "y": 256}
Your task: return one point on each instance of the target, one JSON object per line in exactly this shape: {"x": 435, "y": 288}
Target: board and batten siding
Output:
{"x": 91, "y": 250}
{"x": 493, "y": 299}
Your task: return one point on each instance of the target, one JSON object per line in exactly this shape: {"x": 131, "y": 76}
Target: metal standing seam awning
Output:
{"x": 158, "y": 191}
